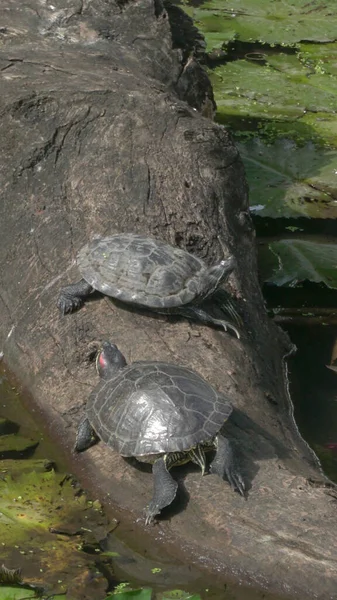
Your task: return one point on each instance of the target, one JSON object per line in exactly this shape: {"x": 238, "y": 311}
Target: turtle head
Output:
{"x": 109, "y": 360}
{"x": 212, "y": 277}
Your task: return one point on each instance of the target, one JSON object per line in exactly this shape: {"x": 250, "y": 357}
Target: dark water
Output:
{"x": 313, "y": 388}
{"x": 139, "y": 563}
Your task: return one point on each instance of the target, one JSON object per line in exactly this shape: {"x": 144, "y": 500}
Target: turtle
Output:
{"x": 159, "y": 413}
{"x": 150, "y": 273}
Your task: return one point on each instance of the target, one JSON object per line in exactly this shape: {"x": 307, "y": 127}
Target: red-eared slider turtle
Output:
{"x": 161, "y": 414}
{"x": 147, "y": 272}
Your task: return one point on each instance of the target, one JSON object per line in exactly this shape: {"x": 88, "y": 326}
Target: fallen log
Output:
{"x": 104, "y": 130}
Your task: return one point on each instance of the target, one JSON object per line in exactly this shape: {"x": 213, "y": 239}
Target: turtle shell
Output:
{"x": 140, "y": 270}
{"x": 155, "y": 407}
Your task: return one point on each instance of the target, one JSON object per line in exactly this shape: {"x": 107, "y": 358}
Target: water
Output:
{"x": 137, "y": 561}
{"x": 313, "y": 388}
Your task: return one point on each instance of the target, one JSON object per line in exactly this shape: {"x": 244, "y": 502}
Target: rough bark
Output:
{"x": 97, "y": 138}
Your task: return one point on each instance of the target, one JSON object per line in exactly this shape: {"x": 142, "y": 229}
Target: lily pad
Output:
{"x": 14, "y": 446}
{"x": 286, "y": 180}
{"x": 321, "y": 124}
{"x": 177, "y": 595}
{"x": 321, "y": 58}
{"x": 18, "y": 466}
{"x": 291, "y": 261}
{"x": 246, "y": 88}
{"x": 16, "y": 593}
{"x": 141, "y": 594}
{"x": 279, "y": 22}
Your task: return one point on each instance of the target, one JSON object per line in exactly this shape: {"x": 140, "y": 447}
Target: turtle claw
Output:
{"x": 150, "y": 512}
{"x": 234, "y": 478}
{"x": 68, "y": 304}
{"x": 224, "y": 465}
{"x": 233, "y": 328}
{"x": 226, "y": 325}
{"x": 236, "y": 482}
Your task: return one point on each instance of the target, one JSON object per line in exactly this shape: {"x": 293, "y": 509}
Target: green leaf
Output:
{"x": 15, "y": 593}
{"x": 322, "y": 58}
{"x": 247, "y": 88}
{"x": 141, "y": 594}
{"x": 290, "y": 261}
{"x": 15, "y": 444}
{"x": 279, "y": 22}
{"x": 286, "y": 180}
{"x": 321, "y": 124}
{"x": 178, "y": 595}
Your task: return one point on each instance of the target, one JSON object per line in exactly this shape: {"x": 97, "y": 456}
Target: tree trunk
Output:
{"x": 97, "y": 137}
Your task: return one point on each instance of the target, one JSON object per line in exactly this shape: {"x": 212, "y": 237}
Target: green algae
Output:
{"x": 45, "y": 520}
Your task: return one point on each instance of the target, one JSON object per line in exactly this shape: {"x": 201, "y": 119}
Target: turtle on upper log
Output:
{"x": 149, "y": 273}
{"x": 159, "y": 413}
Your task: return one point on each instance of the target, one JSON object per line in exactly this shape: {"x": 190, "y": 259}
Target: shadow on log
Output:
{"x": 102, "y": 132}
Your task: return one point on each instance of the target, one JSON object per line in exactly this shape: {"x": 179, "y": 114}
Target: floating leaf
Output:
{"x": 16, "y": 593}
{"x": 279, "y": 22}
{"x": 288, "y": 262}
{"x": 14, "y": 446}
{"x": 141, "y": 594}
{"x": 322, "y": 125}
{"x": 322, "y": 58}
{"x": 246, "y": 88}
{"x": 290, "y": 181}
{"x": 178, "y": 595}
{"x": 18, "y": 466}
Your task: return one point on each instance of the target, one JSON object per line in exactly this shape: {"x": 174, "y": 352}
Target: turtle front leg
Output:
{"x": 85, "y": 436}
{"x": 72, "y": 296}
{"x": 164, "y": 489}
{"x": 196, "y": 313}
{"x": 224, "y": 464}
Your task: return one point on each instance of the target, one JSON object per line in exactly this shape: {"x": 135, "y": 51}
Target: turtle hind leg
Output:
{"x": 164, "y": 489}
{"x": 196, "y": 313}
{"x": 224, "y": 464}
{"x": 72, "y": 296}
{"x": 85, "y": 436}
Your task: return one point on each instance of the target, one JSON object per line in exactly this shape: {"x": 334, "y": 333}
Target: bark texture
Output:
{"x": 102, "y": 131}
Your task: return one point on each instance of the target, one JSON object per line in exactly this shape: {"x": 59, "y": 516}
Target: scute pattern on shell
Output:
{"x": 140, "y": 270}
{"x": 154, "y": 407}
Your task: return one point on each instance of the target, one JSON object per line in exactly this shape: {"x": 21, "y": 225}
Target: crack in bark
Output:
{"x": 37, "y": 252}
{"x": 61, "y": 352}
{"x": 7, "y": 308}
